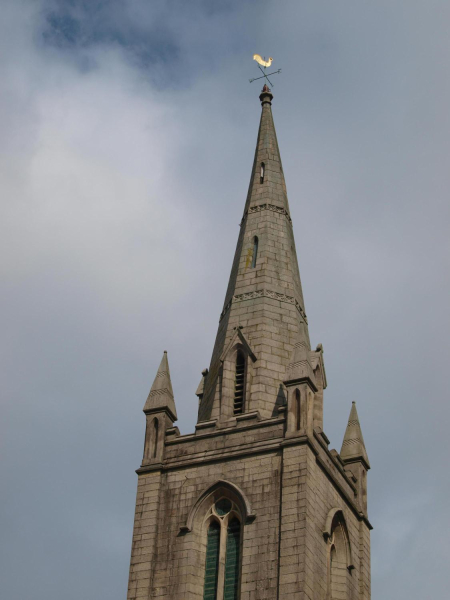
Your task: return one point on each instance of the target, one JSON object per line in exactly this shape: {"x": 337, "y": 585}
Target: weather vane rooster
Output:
{"x": 262, "y": 62}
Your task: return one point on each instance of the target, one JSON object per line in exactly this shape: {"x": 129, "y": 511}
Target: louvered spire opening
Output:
{"x": 239, "y": 385}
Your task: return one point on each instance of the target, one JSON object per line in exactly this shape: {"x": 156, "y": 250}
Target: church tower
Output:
{"x": 253, "y": 505}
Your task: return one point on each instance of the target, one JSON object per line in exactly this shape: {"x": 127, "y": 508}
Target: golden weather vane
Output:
{"x": 262, "y": 62}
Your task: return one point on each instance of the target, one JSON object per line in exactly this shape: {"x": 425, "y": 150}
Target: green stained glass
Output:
{"x": 232, "y": 560}
{"x": 212, "y": 561}
{"x": 223, "y": 507}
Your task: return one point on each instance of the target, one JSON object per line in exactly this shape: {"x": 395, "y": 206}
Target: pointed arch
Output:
{"x": 237, "y": 362}
{"x": 334, "y": 519}
{"x": 221, "y": 486}
{"x": 339, "y": 562}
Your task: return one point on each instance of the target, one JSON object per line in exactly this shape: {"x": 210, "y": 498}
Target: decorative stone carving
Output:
{"x": 267, "y": 294}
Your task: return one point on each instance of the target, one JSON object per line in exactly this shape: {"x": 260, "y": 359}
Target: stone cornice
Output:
{"x": 220, "y": 431}
{"x": 214, "y": 457}
{"x": 264, "y": 293}
{"x": 293, "y": 382}
{"x": 266, "y": 206}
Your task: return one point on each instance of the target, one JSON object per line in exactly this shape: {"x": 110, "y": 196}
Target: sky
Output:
{"x": 127, "y": 136}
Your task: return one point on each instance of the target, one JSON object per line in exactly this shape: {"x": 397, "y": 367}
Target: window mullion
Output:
{"x": 222, "y": 557}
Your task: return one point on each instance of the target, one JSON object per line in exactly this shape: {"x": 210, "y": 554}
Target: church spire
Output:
{"x": 263, "y": 323}
{"x": 353, "y": 447}
{"x": 161, "y": 397}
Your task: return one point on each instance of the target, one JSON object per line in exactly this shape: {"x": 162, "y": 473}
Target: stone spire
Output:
{"x": 264, "y": 299}
{"x": 353, "y": 447}
{"x": 161, "y": 397}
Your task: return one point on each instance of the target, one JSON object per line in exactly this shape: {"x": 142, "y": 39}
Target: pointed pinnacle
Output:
{"x": 161, "y": 393}
{"x": 353, "y": 447}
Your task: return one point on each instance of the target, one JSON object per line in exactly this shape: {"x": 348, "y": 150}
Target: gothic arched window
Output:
{"x": 223, "y": 551}
{"x": 262, "y": 173}
{"x": 239, "y": 384}
{"x": 255, "y": 251}
{"x": 339, "y": 559}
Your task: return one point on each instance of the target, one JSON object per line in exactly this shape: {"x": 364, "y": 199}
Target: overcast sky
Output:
{"x": 127, "y": 131}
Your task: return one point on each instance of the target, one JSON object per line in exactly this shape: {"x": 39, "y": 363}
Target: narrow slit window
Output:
{"x": 239, "y": 384}
{"x": 212, "y": 561}
{"x": 232, "y": 560}
{"x": 255, "y": 251}
{"x": 154, "y": 438}
{"x": 297, "y": 408}
{"x": 262, "y": 173}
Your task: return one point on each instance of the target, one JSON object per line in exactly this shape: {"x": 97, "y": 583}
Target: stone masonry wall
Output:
{"x": 179, "y": 564}
{"x": 291, "y": 495}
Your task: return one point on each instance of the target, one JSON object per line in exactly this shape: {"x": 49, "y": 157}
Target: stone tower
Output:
{"x": 254, "y": 505}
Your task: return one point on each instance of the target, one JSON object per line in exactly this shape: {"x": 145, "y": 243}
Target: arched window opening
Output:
{"x": 262, "y": 173}
{"x": 216, "y": 522}
{"x": 232, "y": 560}
{"x": 212, "y": 561}
{"x": 255, "y": 251}
{"x": 239, "y": 384}
{"x": 338, "y": 572}
{"x": 297, "y": 409}
{"x": 154, "y": 438}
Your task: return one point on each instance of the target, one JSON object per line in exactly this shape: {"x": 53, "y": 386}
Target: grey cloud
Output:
{"x": 121, "y": 197}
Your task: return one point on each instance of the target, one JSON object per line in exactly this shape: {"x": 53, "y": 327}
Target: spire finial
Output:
{"x": 266, "y": 95}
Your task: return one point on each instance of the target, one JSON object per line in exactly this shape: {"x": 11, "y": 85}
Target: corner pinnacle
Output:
{"x": 353, "y": 447}
{"x": 161, "y": 397}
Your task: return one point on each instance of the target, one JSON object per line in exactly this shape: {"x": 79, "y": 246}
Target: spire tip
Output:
{"x": 266, "y": 95}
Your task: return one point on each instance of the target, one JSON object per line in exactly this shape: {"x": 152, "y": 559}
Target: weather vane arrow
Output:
{"x": 262, "y": 62}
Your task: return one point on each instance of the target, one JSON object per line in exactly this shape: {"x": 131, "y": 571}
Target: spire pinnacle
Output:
{"x": 161, "y": 397}
{"x": 353, "y": 447}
